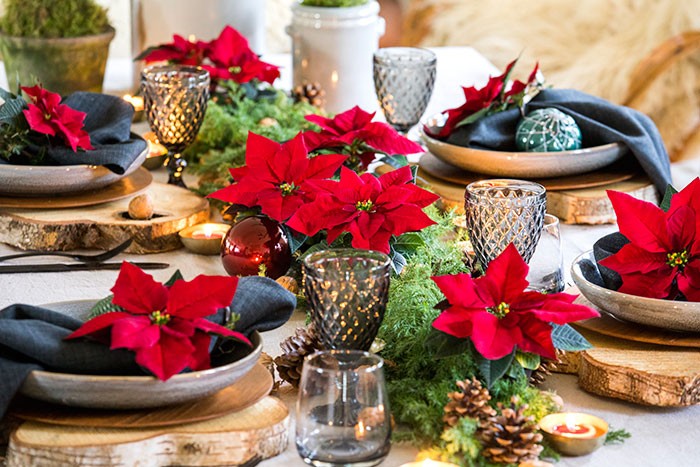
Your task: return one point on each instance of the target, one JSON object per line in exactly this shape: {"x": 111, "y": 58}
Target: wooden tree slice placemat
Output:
{"x": 605, "y": 176}
{"x": 103, "y": 226}
{"x": 576, "y": 206}
{"x": 613, "y": 327}
{"x": 247, "y": 391}
{"x": 131, "y": 185}
{"x": 261, "y": 430}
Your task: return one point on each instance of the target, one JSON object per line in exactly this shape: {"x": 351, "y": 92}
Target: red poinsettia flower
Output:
{"x": 497, "y": 314}
{"x": 46, "y": 115}
{"x": 372, "y": 209}
{"x": 276, "y": 176}
{"x": 355, "y": 129}
{"x": 663, "y": 256}
{"x": 165, "y": 327}
{"x": 232, "y": 59}
{"x": 494, "y": 94}
{"x": 180, "y": 50}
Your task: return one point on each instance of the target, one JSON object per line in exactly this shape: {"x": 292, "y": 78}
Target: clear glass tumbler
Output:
{"x": 546, "y": 273}
{"x": 343, "y": 416}
{"x": 504, "y": 211}
{"x": 347, "y": 290}
{"x": 404, "y": 78}
{"x": 175, "y": 101}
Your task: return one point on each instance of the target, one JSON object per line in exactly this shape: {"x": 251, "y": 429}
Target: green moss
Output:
{"x": 334, "y": 3}
{"x": 53, "y": 18}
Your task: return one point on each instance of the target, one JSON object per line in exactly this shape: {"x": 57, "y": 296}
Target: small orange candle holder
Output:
{"x": 574, "y": 434}
{"x": 157, "y": 153}
{"x": 204, "y": 239}
{"x": 137, "y": 103}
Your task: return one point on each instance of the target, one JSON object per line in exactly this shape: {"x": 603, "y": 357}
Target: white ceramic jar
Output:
{"x": 334, "y": 47}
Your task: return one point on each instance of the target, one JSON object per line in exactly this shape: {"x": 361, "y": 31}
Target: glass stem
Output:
{"x": 176, "y": 166}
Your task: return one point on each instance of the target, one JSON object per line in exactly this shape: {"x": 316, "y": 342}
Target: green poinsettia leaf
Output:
{"x": 398, "y": 261}
{"x": 12, "y": 108}
{"x": 103, "y": 306}
{"x": 408, "y": 243}
{"x": 295, "y": 240}
{"x": 441, "y": 345}
{"x": 474, "y": 117}
{"x": 396, "y": 161}
{"x": 567, "y": 338}
{"x": 666, "y": 202}
{"x": 516, "y": 370}
{"x": 529, "y": 361}
{"x": 493, "y": 370}
{"x": 177, "y": 276}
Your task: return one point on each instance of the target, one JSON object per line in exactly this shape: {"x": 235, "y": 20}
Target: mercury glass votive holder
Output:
{"x": 347, "y": 290}
{"x": 504, "y": 211}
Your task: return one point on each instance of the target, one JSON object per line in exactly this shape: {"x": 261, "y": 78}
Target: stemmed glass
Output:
{"x": 175, "y": 101}
{"x": 404, "y": 78}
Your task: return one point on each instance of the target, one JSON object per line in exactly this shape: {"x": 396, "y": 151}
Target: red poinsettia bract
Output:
{"x": 275, "y": 176}
{"x": 355, "y": 128}
{"x": 233, "y": 59}
{"x": 663, "y": 256}
{"x": 180, "y": 50}
{"x": 46, "y": 115}
{"x": 165, "y": 327}
{"x": 497, "y": 314}
{"x": 372, "y": 209}
{"x": 495, "y": 93}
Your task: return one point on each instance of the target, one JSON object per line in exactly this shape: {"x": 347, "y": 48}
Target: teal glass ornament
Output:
{"x": 547, "y": 130}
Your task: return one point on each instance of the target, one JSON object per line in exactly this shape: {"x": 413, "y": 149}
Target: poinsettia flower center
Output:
{"x": 499, "y": 311}
{"x": 234, "y": 69}
{"x": 365, "y": 205}
{"x": 677, "y": 259}
{"x": 160, "y": 318}
{"x": 47, "y": 116}
{"x": 288, "y": 188}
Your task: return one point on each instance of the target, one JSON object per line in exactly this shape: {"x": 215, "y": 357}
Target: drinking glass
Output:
{"x": 504, "y": 211}
{"x": 343, "y": 416}
{"x": 404, "y": 78}
{"x": 347, "y": 290}
{"x": 546, "y": 273}
{"x": 175, "y": 101}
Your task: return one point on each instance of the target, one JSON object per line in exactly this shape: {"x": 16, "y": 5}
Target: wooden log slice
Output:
{"x": 260, "y": 430}
{"x": 104, "y": 226}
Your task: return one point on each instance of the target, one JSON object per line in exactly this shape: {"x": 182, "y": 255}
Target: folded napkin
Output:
{"x": 601, "y": 122}
{"x": 32, "y": 338}
{"x": 604, "y": 247}
{"x": 108, "y": 122}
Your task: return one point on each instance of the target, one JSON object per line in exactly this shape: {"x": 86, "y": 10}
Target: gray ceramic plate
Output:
{"x": 133, "y": 392}
{"x": 521, "y": 164}
{"x": 42, "y": 180}
{"x": 665, "y": 314}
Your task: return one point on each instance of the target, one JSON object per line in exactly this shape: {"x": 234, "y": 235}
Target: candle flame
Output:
{"x": 570, "y": 421}
{"x": 192, "y": 38}
{"x": 208, "y": 230}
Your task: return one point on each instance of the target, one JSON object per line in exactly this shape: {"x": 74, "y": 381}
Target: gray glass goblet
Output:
{"x": 347, "y": 290}
{"x": 404, "y": 78}
{"x": 503, "y": 211}
{"x": 175, "y": 101}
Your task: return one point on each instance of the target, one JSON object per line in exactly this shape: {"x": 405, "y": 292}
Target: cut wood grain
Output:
{"x": 104, "y": 226}
{"x": 260, "y": 430}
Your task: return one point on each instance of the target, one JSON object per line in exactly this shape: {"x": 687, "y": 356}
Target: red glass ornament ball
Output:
{"x": 254, "y": 245}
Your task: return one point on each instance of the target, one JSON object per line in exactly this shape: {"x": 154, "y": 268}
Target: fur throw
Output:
{"x": 597, "y": 46}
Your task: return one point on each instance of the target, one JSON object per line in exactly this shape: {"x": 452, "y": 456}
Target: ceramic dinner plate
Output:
{"x": 521, "y": 164}
{"x": 134, "y": 392}
{"x": 42, "y": 180}
{"x": 664, "y": 314}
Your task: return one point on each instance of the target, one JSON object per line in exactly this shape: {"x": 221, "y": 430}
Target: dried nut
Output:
{"x": 289, "y": 283}
{"x": 141, "y": 207}
{"x": 268, "y": 121}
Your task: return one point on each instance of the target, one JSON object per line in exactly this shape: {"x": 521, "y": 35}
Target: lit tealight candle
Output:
{"x": 204, "y": 239}
{"x": 574, "y": 434}
{"x": 136, "y": 101}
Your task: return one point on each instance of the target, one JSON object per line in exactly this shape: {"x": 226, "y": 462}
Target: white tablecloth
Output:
{"x": 660, "y": 437}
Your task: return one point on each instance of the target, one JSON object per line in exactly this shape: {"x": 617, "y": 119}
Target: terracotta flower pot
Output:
{"x": 62, "y": 65}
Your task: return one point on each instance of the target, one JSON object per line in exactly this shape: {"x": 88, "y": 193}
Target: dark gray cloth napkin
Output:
{"x": 602, "y": 248}
{"x": 108, "y": 122}
{"x": 601, "y": 122}
{"x": 32, "y": 338}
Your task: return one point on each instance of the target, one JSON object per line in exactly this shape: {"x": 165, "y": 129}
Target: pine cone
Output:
{"x": 472, "y": 400}
{"x": 511, "y": 437}
{"x": 539, "y": 375}
{"x": 312, "y": 93}
{"x": 295, "y": 348}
